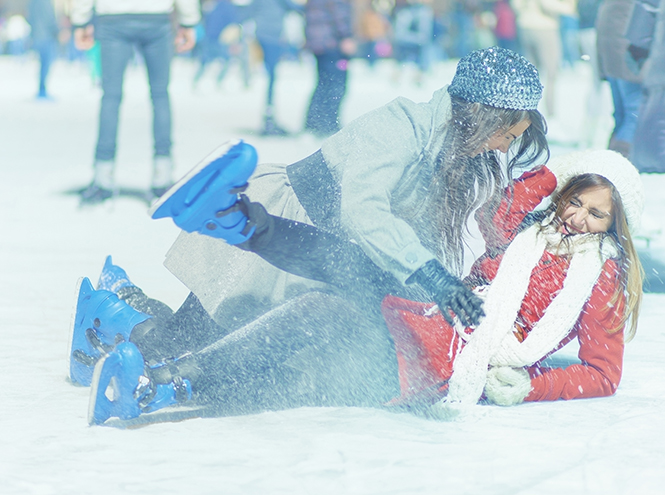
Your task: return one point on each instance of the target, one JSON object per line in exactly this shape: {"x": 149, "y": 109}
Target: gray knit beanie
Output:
{"x": 499, "y": 78}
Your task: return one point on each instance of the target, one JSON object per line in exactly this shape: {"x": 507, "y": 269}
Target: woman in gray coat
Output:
{"x": 381, "y": 207}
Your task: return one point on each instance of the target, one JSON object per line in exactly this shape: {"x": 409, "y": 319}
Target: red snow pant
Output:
{"x": 426, "y": 347}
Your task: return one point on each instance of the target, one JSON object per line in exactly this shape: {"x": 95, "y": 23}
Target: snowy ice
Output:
{"x": 612, "y": 445}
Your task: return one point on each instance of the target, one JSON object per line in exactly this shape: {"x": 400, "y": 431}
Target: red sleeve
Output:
{"x": 518, "y": 200}
{"x": 601, "y": 349}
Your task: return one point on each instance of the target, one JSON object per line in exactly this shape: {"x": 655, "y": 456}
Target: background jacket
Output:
{"x": 327, "y": 22}
{"x": 188, "y": 10}
{"x": 611, "y": 23}
{"x": 269, "y": 18}
{"x": 384, "y": 162}
{"x": 542, "y": 14}
{"x": 43, "y": 23}
{"x": 647, "y": 30}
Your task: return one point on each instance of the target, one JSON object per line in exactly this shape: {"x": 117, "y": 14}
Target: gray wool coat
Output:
{"x": 647, "y": 29}
{"x": 383, "y": 162}
{"x": 611, "y": 24}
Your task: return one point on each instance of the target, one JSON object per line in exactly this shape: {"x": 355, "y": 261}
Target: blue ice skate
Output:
{"x": 120, "y": 387}
{"x": 101, "y": 321}
{"x": 206, "y": 199}
{"x": 113, "y": 278}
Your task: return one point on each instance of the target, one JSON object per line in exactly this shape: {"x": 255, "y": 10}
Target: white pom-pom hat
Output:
{"x": 615, "y": 168}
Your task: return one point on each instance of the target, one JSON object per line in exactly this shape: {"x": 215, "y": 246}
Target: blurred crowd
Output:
{"x": 552, "y": 34}
{"x": 418, "y": 31}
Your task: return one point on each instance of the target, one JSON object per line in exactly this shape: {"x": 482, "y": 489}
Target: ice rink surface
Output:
{"x": 601, "y": 446}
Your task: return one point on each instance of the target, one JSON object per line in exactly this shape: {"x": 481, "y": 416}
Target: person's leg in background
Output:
{"x": 47, "y": 52}
{"x": 272, "y": 53}
{"x": 549, "y": 54}
{"x": 627, "y": 97}
{"x": 323, "y": 113}
{"x": 588, "y": 49}
{"x": 156, "y": 48}
{"x": 116, "y": 51}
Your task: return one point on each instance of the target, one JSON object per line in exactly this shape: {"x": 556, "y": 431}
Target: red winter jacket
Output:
{"x": 601, "y": 351}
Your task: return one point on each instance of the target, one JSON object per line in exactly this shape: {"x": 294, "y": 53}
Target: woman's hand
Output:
{"x": 84, "y": 37}
{"x": 185, "y": 39}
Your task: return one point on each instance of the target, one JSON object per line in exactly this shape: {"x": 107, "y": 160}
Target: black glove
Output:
{"x": 638, "y": 53}
{"x": 635, "y": 58}
{"x": 449, "y": 293}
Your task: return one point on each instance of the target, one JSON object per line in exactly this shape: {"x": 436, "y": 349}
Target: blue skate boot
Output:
{"x": 122, "y": 388}
{"x": 206, "y": 200}
{"x": 101, "y": 321}
{"x": 113, "y": 278}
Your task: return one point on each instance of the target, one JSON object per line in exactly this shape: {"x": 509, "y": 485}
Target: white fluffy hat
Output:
{"x": 615, "y": 168}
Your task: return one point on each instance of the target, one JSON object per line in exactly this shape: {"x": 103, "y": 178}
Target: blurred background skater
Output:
{"x": 587, "y": 13}
{"x": 120, "y": 26}
{"x": 569, "y": 27}
{"x": 505, "y": 29}
{"x": 221, "y": 33}
{"x": 293, "y": 33}
{"x": 374, "y": 30}
{"x": 44, "y": 34}
{"x": 329, "y": 36}
{"x": 413, "y": 35}
{"x": 15, "y": 32}
{"x": 540, "y": 40}
{"x": 268, "y": 16}
{"x": 626, "y": 87}
{"x": 462, "y": 27}
{"x": 646, "y": 35}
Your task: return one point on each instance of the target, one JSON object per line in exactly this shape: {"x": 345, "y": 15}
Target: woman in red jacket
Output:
{"x": 570, "y": 271}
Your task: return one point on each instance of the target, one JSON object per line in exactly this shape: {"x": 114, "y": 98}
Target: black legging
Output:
{"x": 170, "y": 334}
{"x": 317, "y": 349}
{"x": 321, "y": 252}
{"x": 310, "y": 252}
{"x": 314, "y": 350}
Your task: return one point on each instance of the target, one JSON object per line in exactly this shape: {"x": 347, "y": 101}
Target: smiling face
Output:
{"x": 589, "y": 211}
{"x": 502, "y": 140}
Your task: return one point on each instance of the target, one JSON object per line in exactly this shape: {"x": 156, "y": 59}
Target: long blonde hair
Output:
{"x": 631, "y": 273}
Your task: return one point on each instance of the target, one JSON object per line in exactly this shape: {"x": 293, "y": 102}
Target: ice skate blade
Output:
{"x": 79, "y": 373}
{"x": 94, "y": 395}
{"x": 70, "y": 340}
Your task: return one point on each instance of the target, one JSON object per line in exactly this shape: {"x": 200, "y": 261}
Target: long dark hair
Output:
{"x": 462, "y": 181}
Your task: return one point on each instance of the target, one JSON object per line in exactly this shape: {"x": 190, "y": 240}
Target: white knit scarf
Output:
{"x": 493, "y": 342}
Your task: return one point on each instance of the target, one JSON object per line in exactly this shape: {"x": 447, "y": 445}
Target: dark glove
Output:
{"x": 449, "y": 293}
{"x": 637, "y": 57}
{"x": 257, "y": 216}
{"x": 638, "y": 53}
